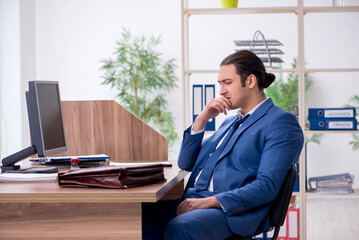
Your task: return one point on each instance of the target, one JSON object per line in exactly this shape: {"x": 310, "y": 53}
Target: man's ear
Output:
{"x": 252, "y": 81}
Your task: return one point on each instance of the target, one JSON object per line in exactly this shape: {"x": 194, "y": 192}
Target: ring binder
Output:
{"x": 197, "y": 100}
{"x": 209, "y": 93}
{"x": 332, "y": 124}
{"x": 323, "y": 113}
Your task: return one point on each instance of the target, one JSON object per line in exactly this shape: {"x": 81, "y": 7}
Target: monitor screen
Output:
{"x": 50, "y": 116}
{"x": 45, "y": 106}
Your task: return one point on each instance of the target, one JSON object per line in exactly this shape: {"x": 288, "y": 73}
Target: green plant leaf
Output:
{"x": 354, "y": 103}
{"x": 355, "y": 142}
{"x": 315, "y": 138}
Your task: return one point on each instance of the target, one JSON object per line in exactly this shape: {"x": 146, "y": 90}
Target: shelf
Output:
{"x": 296, "y": 194}
{"x": 332, "y": 70}
{"x": 344, "y": 9}
{"x": 268, "y": 10}
{"x": 189, "y": 72}
{"x": 313, "y": 194}
{"x": 331, "y": 131}
{"x": 212, "y": 11}
{"x": 204, "y": 71}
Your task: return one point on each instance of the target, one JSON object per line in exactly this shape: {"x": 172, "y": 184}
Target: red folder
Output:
{"x": 293, "y": 224}
{"x": 282, "y": 235}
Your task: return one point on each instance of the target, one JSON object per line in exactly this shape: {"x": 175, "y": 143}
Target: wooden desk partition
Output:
{"x": 96, "y": 127}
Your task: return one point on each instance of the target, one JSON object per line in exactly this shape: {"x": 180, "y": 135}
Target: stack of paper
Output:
{"x": 338, "y": 183}
{"x": 28, "y": 177}
{"x": 139, "y": 164}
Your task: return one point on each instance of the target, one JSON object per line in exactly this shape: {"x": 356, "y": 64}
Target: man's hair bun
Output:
{"x": 268, "y": 79}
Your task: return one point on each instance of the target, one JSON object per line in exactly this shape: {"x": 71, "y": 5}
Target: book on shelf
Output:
{"x": 334, "y": 190}
{"x": 337, "y": 183}
{"x": 344, "y": 183}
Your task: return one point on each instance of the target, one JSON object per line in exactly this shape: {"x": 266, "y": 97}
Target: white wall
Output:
{"x": 10, "y": 79}
{"x": 27, "y": 60}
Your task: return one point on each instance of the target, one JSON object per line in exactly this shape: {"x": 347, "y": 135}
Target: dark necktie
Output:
{"x": 205, "y": 177}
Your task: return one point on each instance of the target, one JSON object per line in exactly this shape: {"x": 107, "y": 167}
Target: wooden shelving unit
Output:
{"x": 300, "y": 11}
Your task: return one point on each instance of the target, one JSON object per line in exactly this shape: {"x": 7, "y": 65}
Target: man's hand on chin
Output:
{"x": 190, "y": 204}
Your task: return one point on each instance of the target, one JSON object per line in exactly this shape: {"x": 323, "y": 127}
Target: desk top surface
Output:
{"x": 52, "y": 192}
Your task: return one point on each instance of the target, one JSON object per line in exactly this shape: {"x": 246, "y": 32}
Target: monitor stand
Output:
{"x": 8, "y": 163}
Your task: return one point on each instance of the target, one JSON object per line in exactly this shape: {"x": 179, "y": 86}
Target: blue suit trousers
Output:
{"x": 160, "y": 221}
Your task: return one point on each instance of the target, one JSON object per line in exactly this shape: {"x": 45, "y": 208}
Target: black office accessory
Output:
{"x": 45, "y": 122}
{"x": 35, "y": 170}
{"x": 266, "y": 49}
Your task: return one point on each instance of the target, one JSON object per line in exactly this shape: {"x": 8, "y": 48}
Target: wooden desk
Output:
{"x": 46, "y": 211}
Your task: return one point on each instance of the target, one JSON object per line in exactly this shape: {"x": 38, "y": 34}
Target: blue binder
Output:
{"x": 323, "y": 113}
{"x": 209, "y": 93}
{"x": 333, "y": 124}
{"x": 296, "y": 184}
{"x": 197, "y": 100}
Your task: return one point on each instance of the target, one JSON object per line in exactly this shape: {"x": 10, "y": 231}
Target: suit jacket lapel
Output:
{"x": 257, "y": 114}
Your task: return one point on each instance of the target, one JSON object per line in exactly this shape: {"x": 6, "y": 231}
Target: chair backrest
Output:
{"x": 279, "y": 207}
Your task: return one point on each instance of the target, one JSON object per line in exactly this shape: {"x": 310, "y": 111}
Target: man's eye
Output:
{"x": 224, "y": 82}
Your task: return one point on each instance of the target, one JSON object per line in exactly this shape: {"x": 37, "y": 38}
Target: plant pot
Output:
{"x": 229, "y": 3}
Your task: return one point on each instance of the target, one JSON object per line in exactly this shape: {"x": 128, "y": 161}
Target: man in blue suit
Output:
{"x": 238, "y": 171}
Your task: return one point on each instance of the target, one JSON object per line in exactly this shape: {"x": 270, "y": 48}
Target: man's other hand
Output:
{"x": 190, "y": 204}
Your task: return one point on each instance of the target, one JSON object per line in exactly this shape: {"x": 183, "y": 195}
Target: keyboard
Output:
{"x": 65, "y": 161}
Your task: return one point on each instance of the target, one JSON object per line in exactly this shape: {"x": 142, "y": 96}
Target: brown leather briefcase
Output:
{"x": 113, "y": 177}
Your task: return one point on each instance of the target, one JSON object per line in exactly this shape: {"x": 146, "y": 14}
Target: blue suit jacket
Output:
{"x": 252, "y": 167}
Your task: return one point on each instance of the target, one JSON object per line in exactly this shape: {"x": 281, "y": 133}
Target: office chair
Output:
{"x": 279, "y": 208}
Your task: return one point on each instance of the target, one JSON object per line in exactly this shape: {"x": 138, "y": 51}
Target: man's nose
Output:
{"x": 222, "y": 91}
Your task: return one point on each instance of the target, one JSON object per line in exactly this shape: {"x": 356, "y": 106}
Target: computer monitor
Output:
{"x": 45, "y": 122}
